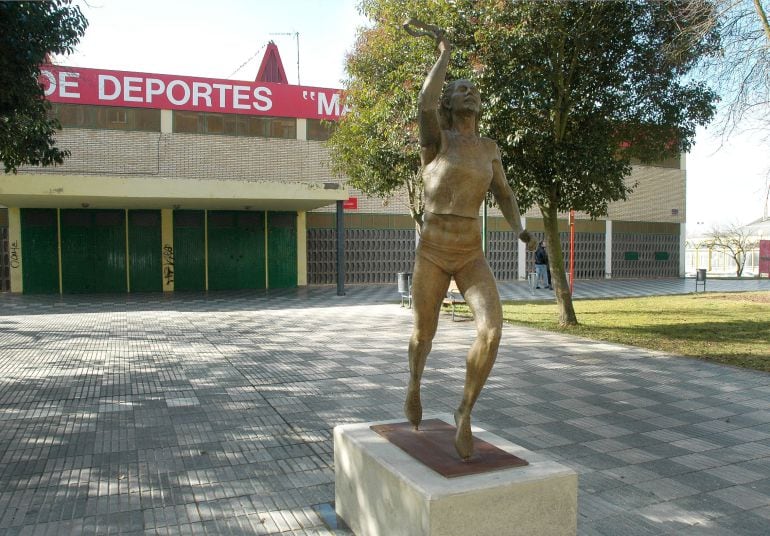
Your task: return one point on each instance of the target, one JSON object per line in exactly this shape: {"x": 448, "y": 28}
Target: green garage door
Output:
{"x": 93, "y": 250}
{"x": 39, "y": 251}
{"x": 144, "y": 251}
{"x": 189, "y": 250}
{"x": 236, "y": 250}
{"x": 282, "y": 249}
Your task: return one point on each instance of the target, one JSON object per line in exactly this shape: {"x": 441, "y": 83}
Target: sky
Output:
{"x": 727, "y": 181}
{"x": 217, "y": 38}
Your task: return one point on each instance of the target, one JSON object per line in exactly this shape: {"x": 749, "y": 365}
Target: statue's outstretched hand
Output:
{"x": 528, "y": 239}
{"x": 417, "y": 28}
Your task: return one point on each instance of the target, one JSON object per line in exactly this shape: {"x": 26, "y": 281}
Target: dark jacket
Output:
{"x": 541, "y": 256}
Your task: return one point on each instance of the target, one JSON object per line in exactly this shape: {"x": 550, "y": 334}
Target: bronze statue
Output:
{"x": 458, "y": 168}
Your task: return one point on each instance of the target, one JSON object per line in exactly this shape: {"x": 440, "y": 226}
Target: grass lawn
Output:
{"x": 731, "y": 328}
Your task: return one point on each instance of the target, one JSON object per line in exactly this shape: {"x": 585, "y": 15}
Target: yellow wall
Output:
{"x": 301, "y": 249}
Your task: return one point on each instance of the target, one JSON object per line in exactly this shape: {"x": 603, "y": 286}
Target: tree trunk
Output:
{"x": 415, "y": 198}
{"x": 567, "y": 315}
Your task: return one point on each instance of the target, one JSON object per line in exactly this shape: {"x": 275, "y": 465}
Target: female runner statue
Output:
{"x": 459, "y": 167}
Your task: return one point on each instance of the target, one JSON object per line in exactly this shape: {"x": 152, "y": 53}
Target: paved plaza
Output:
{"x": 213, "y": 413}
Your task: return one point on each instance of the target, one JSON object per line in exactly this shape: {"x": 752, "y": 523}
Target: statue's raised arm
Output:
{"x": 430, "y": 95}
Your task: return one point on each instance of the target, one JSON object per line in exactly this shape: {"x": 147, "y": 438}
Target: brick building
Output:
{"x": 179, "y": 183}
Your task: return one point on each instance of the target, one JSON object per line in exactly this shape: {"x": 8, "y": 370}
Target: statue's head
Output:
{"x": 459, "y": 97}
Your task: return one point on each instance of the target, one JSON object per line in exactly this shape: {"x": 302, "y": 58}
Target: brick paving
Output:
{"x": 212, "y": 413}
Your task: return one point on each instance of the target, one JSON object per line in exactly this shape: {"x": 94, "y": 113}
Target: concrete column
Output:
{"x": 302, "y": 129}
{"x": 522, "y": 253}
{"x": 608, "y": 249}
{"x": 14, "y": 249}
{"x": 682, "y": 248}
{"x": 340, "y": 249}
{"x": 484, "y": 216}
{"x": 302, "y": 248}
{"x": 167, "y": 239}
{"x": 166, "y": 121}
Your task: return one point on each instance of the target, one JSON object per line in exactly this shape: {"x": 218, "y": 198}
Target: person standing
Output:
{"x": 541, "y": 266}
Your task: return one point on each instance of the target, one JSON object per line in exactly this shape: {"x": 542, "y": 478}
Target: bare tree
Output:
{"x": 742, "y": 71}
{"x": 736, "y": 241}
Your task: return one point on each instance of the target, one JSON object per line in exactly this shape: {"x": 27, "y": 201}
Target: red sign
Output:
{"x": 764, "y": 257}
{"x": 78, "y": 85}
{"x": 350, "y": 204}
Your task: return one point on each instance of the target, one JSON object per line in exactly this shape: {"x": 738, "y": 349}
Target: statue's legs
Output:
{"x": 429, "y": 286}
{"x": 479, "y": 289}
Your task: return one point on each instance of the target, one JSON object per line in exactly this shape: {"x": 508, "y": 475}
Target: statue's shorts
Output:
{"x": 450, "y": 259}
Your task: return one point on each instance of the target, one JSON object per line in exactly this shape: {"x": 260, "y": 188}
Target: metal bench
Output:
{"x": 453, "y": 297}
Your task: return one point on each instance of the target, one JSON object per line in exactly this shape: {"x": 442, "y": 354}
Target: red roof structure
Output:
{"x": 271, "y": 68}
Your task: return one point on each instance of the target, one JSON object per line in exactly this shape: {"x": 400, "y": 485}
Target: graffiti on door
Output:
{"x": 15, "y": 254}
{"x": 168, "y": 264}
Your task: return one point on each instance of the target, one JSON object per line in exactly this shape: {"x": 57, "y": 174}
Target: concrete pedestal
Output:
{"x": 382, "y": 491}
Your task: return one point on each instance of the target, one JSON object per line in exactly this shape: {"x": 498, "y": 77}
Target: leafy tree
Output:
{"x": 29, "y": 33}
{"x": 572, "y": 91}
{"x": 736, "y": 241}
{"x": 375, "y": 144}
{"x": 587, "y": 86}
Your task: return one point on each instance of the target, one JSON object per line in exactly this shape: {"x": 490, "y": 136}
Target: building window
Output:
{"x": 320, "y": 130}
{"x": 235, "y": 125}
{"x": 71, "y": 115}
{"x": 186, "y": 121}
{"x": 106, "y": 117}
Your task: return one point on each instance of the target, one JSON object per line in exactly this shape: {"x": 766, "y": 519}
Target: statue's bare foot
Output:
{"x": 463, "y": 437}
{"x": 413, "y": 406}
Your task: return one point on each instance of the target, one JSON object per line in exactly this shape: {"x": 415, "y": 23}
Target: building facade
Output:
{"x": 179, "y": 183}
{"x": 754, "y": 239}
{"x": 642, "y": 237}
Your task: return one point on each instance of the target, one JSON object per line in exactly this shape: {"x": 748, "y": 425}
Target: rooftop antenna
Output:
{"x": 296, "y": 36}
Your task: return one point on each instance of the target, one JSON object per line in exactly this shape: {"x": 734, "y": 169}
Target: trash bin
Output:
{"x": 700, "y": 279}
